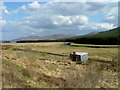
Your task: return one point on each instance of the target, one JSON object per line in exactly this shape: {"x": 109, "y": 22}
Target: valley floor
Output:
{"x": 47, "y": 65}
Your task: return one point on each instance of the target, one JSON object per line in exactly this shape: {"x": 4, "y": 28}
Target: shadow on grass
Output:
{"x": 95, "y": 46}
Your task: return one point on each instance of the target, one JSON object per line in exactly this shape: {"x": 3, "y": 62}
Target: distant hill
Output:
{"x": 110, "y": 37}
{"x": 92, "y": 33}
{"x": 50, "y": 37}
{"x": 106, "y": 37}
{"x": 111, "y": 33}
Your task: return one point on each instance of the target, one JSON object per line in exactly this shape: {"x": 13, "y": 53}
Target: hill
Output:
{"x": 110, "y": 37}
{"x": 50, "y": 37}
{"x": 92, "y": 33}
{"x": 106, "y": 37}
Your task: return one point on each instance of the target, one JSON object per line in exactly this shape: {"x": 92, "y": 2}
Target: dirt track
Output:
{"x": 107, "y": 66}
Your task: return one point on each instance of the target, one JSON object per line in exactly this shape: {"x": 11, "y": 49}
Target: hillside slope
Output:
{"x": 107, "y": 37}
{"x": 50, "y": 37}
{"x": 110, "y": 37}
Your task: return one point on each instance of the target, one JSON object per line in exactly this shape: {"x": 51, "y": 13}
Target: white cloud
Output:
{"x": 69, "y": 8}
{"x": 3, "y": 9}
{"x": 104, "y": 26}
{"x": 2, "y": 23}
{"x": 62, "y": 18}
{"x": 78, "y": 8}
{"x": 86, "y": 1}
{"x": 111, "y": 19}
{"x": 70, "y": 20}
{"x": 112, "y": 15}
{"x": 97, "y": 26}
{"x": 31, "y": 7}
{"x": 34, "y": 5}
{"x": 79, "y": 19}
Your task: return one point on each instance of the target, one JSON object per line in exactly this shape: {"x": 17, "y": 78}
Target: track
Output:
{"x": 97, "y": 60}
{"x": 108, "y": 63}
{"x": 41, "y": 52}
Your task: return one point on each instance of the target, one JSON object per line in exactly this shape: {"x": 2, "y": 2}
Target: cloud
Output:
{"x": 70, "y": 20}
{"x": 80, "y": 19}
{"x": 53, "y": 21}
{"x": 34, "y": 5}
{"x": 103, "y": 26}
{"x": 37, "y": 23}
{"x": 53, "y": 25}
{"x": 112, "y": 15}
{"x": 63, "y": 18}
{"x": 3, "y": 9}
{"x": 86, "y": 1}
{"x": 90, "y": 27}
{"x": 69, "y": 8}
{"x": 95, "y": 6}
{"x": 78, "y": 8}
{"x": 2, "y": 23}
{"x": 111, "y": 19}
{"x": 16, "y": 29}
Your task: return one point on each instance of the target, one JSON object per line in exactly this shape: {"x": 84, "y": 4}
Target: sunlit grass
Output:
{"x": 40, "y": 70}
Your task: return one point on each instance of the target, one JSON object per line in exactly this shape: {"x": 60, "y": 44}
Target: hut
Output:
{"x": 79, "y": 56}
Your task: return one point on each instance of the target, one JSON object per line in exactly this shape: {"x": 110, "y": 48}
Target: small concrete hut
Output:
{"x": 79, "y": 56}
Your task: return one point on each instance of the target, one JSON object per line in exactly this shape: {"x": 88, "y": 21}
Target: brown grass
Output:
{"x": 40, "y": 70}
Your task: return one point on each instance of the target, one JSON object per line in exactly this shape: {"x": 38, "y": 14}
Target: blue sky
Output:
{"x": 22, "y": 19}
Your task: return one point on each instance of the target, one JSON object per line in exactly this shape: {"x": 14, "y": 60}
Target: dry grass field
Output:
{"x": 47, "y": 65}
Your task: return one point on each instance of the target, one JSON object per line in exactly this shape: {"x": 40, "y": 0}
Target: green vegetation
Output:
{"x": 110, "y": 37}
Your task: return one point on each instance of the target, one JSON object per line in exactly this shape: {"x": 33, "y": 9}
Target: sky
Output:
{"x": 22, "y": 19}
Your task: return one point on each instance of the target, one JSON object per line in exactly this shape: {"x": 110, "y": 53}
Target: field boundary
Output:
{"x": 40, "y": 52}
{"x": 92, "y": 46}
